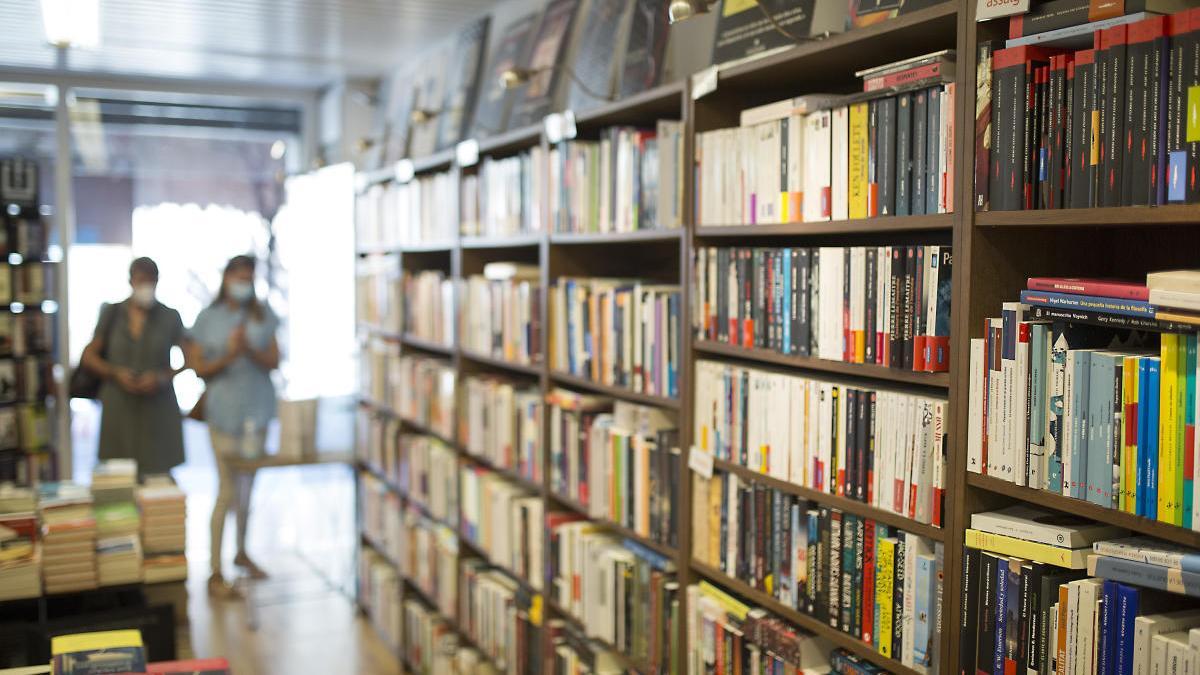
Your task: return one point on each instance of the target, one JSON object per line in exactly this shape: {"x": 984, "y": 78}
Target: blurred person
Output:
{"x": 233, "y": 349}
{"x": 131, "y": 354}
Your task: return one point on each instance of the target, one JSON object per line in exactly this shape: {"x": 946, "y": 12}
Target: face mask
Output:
{"x": 143, "y": 296}
{"x": 240, "y": 291}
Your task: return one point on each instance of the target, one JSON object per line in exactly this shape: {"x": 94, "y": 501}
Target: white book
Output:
{"x": 1148, "y": 626}
{"x": 783, "y": 408}
{"x": 975, "y": 408}
{"x": 818, "y": 139}
{"x": 1090, "y": 597}
{"x": 1188, "y": 300}
{"x": 732, "y": 520}
{"x": 813, "y": 431}
{"x": 923, "y": 510}
{"x": 797, "y": 105}
{"x": 829, "y": 324}
{"x": 994, "y": 456}
{"x": 839, "y": 179}
{"x": 792, "y": 202}
{"x": 825, "y": 437}
{"x": 1179, "y": 655}
{"x": 1067, "y": 421}
{"x": 914, "y": 546}
{"x": 1161, "y": 652}
{"x": 1194, "y": 648}
{"x": 858, "y": 285}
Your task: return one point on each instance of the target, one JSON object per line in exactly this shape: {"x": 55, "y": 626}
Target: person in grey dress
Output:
{"x": 131, "y": 353}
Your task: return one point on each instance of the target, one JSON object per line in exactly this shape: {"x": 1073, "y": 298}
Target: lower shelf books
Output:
{"x": 381, "y": 515}
{"x": 619, "y": 460}
{"x": 876, "y": 582}
{"x": 429, "y": 558}
{"x": 618, "y": 332}
{"x": 1095, "y": 413}
{"x": 501, "y": 617}
{"x": 503, "y": 520}
{"x": 884, "y": 305}
{"x": 429, "y": 306}
{"x": 377, "y": 443}
{"x": 20, "y": 560}
{"x": 725, "y": 635}
{"x": 573, "y": 653}
{"x": 431, "y": 644}
{"x": 379, "y": 594}
{"x": 620, "y": 592}
{"x": 378, "y": 293}
{"x": 880, "y": 447}
{"x": 501, "y": 423}
{"x": 424, "y": 392}
{"x": 501, "y": 312}
{"x": 429, "y": 475}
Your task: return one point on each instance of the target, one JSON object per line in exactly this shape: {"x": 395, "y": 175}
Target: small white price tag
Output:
{"x": 553, "y": 126}
{"x": 701, "y": 462}
{"x": 704, "y": 82}
{"x": 568, "y": 125}
{"x": 991, "y": 9}
{"x": 404, "y": 171}
{"x": 467, "y": 152}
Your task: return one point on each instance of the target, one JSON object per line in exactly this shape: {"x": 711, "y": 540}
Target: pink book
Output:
{"x": 190, "y": 667}
{"x": 1106, "y": 288}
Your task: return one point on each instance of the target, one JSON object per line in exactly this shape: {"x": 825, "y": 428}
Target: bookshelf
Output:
{"x": 666, "y": 256}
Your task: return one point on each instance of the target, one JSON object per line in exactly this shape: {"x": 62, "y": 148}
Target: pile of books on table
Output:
{"x": 118, "y": 548}
{"x": 20, "y": 569}
{"x": 163, "y": 511}
{"x": 68, "y": 537}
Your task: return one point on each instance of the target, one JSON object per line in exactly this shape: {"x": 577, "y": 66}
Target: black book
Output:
{"x": 902, "y": 193}
{"x": 644, "y": 52}
{"x": 814, "y": 296}
{"x": 778, "y": 289}
{"x": 1067, "y": 120}
{"x": 800, "y": 332}
{"x": 1159, "y": 70}
{"x": 820, "y": 581}
{"x": 1007, "y": 118}
{"x": 1084, "y": 146}
{"x": 869, "y": 318}
{"x": 917, "y": 302}
{"x": 968, "y": 617}
{"x": 897, "y": 308}
{"x": 873, "y": 158}
{"x": 933, "y": 154}
{"x": 1113, "y": 45}
{"x": 910, "y": 277}
{"x": 746, "y": 275}
{"x": 856, "y": 594}
{"x": 759, "y": 272}
{"x": 869, "y": 432}
{"x": 834, "y": 558}
{"x": 986, "y": 647}
{"x": 850, "y": 479}
{"x": 849, "y": 529}
{"x": 920, "y": 126}
{"x": 885, "y": 157}
{"x": 1042, "y": 159}
{"x": 1047, "y": 16}
{"x": 1051, "y": 189}
{"x": 1028, "y": 139}
{"x": 1135, "y": 178}
{"x": 1026, "y": 629}
{"x": 861, "y": 434}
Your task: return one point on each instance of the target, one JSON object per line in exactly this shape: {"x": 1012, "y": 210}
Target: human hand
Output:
{"x": 126, "y": 380}
{"x": 149, "y": 382}
{"x": 237, "y": 341}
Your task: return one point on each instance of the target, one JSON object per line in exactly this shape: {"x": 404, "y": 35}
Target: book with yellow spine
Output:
{"x": 1168, "y": 449}
{"x": 1129, "y": 398}
{"x": 1070, "y": 558}
{"x": 885, "y": 592}
{"x": 858, "y": 160}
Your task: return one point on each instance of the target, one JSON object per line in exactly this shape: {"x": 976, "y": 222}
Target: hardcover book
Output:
{"x": 462, "y": 83}
{"x": 744, "y": 28}
{"x": 596, "y": 62}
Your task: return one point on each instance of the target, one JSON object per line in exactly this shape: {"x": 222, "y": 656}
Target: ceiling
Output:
{"x": 301, "y": 43}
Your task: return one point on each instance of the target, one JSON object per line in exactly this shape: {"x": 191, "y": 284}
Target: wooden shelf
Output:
{"x": 1112, "y": 216}
{"x": 410, "y": 340}
{"x": 627, "y": 662}
{"x": 865, "y": 370}
{"x": 888, "y": 224}
{"x": 386, "y": 335}
{"x": 1080, "y": 507}
{"x": 429, "y": 247}
{"x": 511, "y": 141}
{"x": 438, "y": 161}
{"x": 844, "y": 504}
{"x": 835, "y": 59}
{"x": 575, "y": 507}
{"x": 382, "y": 249}
{"x": 419, "y": 428}
{"x": 509, "y": 474}
{"x": 369, "y": 541}
{"x": 470, "y": 547}
{"x": 515, "y": 241}
{"x": 822, "y": 629}
{"x": 582, "y": 238}
{"x": 569, "y": 380}
{"x": 532, "y": 370}
{"x": 379, "y": 476}
{"x": 661, "y": 102}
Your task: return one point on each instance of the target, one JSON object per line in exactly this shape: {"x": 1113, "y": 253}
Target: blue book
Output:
{"x": 1128, "y": 601}
{"x": 569, "y": 292}
{"x": 786, "y": 314}
{"x": 1080, "y": 363}
{"x": 1139, "y": 503}
{"x": 1089, "y": 303}
{"x": 1001, "y": 616}
{"x": 1144, "y": 574}
{"x": 814, "y": 538}
{"x": 1189, "y": 412}
{"x": 1100, "y": 450}
{"x": 1150, "y": 425}
{"x": 1104, "y": 663}
{"x": 924, "y": 632}
{"x": 657, "y": 560}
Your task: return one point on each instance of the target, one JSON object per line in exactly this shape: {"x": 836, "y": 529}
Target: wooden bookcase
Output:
{"x": 994, "y": 252}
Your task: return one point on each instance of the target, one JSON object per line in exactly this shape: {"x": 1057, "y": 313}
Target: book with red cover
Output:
{"x": 1107, "y": 288}
{"x": 189, "y": 667}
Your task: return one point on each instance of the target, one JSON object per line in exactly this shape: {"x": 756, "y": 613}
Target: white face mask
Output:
{"x": 143, "y": 296}
{"x": 241, "y": 291}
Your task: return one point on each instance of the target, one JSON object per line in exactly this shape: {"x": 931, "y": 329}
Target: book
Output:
{"x": 547, "y": 46}
{"x": 742, "y": 33}
{"x": 1053, "y": 555}
{"x": 1107, "y": 288}
{"x": 99, "y": 652}
{"x": 1030, "y": 523}
{"x": 597, "y": 64}
{"x": 462, "y": 84}
{"x": 1137, "y": 308}
{"x": 494, "y": 107}
{"x": 645, "y": 48}
{"x": 1144, "y": 574}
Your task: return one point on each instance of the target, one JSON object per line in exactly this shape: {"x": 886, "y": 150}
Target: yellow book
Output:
{"x": 112, "y": 651}
{"x": 858, "y": 161}
{"x": 1129, "y": 392}
{"x": 733, "y": 607}
{"x": 714, "y": 522}
{"x": 1070, "y": 558}
{"x": 885, "y": 562}
{"x": 1168, "y": 418}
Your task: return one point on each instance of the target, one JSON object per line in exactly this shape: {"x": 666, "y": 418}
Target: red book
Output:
{"x": 1105, "y": 288}
{"x": 929, "y": 72}
{"x": 189, "y": 667}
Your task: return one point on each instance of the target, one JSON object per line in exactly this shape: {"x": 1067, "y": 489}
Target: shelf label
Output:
{"x": 467, "y": 153}
{"x": 704, "y": 82}
{"x": 404, "y": 171}
{"x": 552, "y": 124}
{"x": 992, "y": 9}
{"x": 701, "y": 462}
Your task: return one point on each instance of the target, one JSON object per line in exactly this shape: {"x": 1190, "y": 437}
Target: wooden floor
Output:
{"x": 301, "y": 532}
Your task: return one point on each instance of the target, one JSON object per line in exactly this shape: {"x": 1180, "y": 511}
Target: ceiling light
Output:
{"x": 278, "y": 149}
{"x": 71, "y": 23}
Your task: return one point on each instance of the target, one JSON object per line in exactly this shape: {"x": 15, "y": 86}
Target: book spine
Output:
{"x": 902, "y": 192}
{"x": 886, "y": 165}
{"x": 920, "y": 140}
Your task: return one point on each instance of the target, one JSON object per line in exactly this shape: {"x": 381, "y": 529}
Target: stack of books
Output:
{"x": 119, "y": 559}
{"x": 505, "y": 200}
{"x": 20, "y": 568}
{"x": 1175, "y": 296}
{"x": 884, "y": 305}
{"x": 501, "y": 312}
{"x": 118, "y": 522}
{"x": 429, "y": 306}
{"x": 755, "y": 641}
{"x": 116, "y": 651}
{"x": 501, "y": 423}
{"x": 163, "y": 509}
{"x": 500, "y": 616}
{"x": 114, "y": 473}
{"x": 68, "y": 537}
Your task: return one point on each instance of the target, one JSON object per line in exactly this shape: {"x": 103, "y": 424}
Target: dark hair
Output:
{"x": 236, "y": 263}
{"x": 144, "y": 266}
